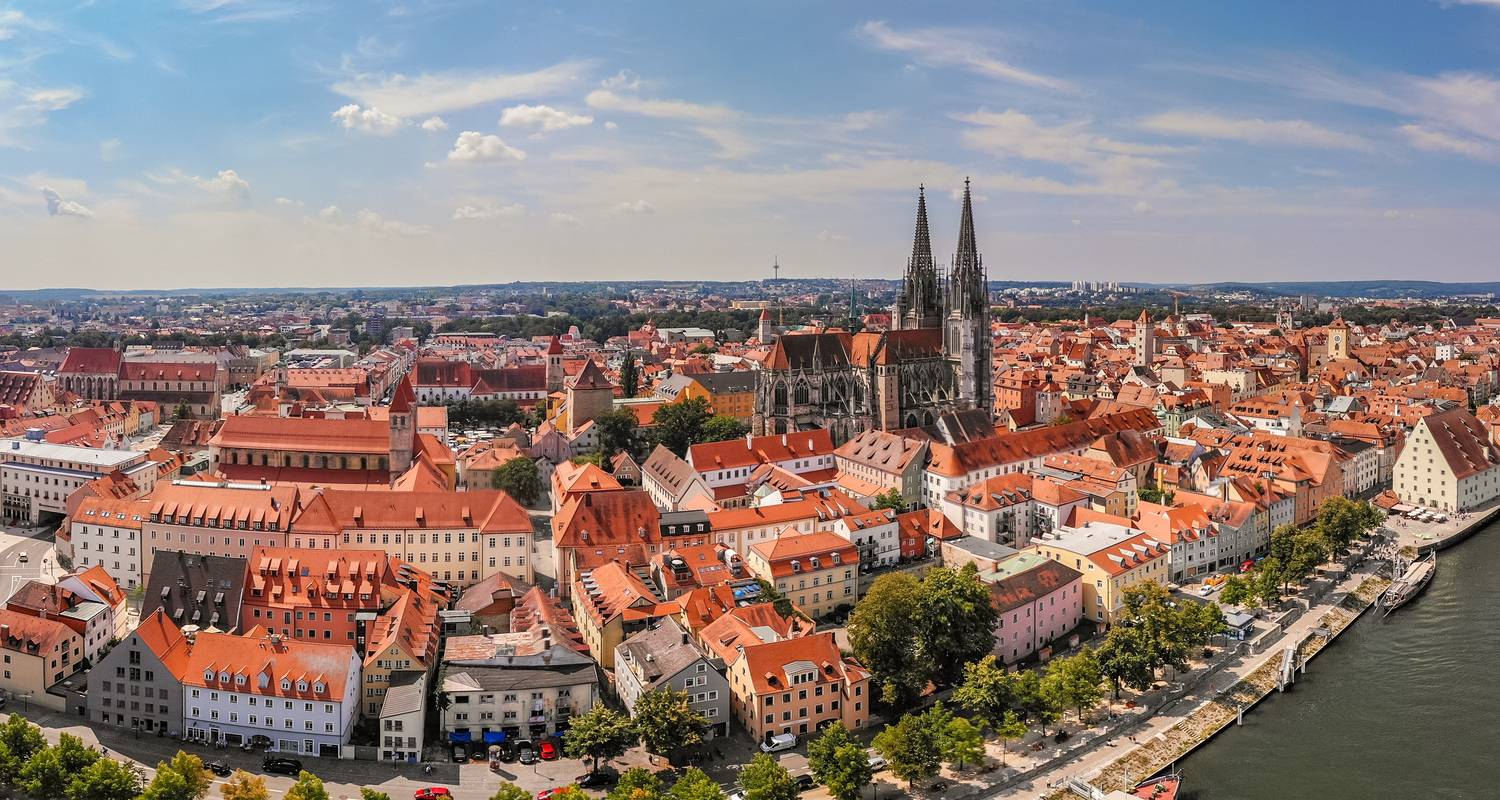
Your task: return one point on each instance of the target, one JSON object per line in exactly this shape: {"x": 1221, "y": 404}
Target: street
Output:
{"x": 37, "y": 548}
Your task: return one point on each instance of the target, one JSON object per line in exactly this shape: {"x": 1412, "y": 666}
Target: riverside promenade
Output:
{"x": 1132, "y": 753}
{"x": 1428, "y": 536}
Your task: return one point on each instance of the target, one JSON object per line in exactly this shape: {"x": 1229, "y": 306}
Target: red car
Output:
{"x": 549, "y": 750}
{"x": 432, "y": 793}
{"x": 546, "y": 793}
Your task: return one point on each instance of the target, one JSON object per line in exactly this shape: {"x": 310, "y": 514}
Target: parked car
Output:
{"x": 597, "y": 780}
{"x": 549, "y": 750}
{"x": 219, "y": 768}
{"x": 805, "y": 782}
{"x": 279, "y": 765}
{"x": 546, "y": 793}
{"x": 525, "y": 754}
{"x": 460, "y": 754}
{"x": 432, "y": 793}
{"x": 779, "y": 742}
{"x": 877, "y": 762}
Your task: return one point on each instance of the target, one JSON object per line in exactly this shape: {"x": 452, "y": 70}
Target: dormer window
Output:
{"x": 239, "y": 680}
{"x": 796, "y": 566}
{"x": 319, "y": 687}
{"x": 208, "y": 675}
{"x": 301, "y": 686}
{"x": 286, "y": 685}
{"x": 223, "y": 677}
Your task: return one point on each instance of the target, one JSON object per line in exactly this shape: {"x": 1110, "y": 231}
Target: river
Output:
{"x": 1406, "y": 707}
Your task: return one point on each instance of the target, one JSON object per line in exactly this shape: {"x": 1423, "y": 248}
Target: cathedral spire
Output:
{"x": 968, "y": 248}
{"x": 921, "y": 243}
{"x": 920, "y": 302}
{"x": 968, "y": 290}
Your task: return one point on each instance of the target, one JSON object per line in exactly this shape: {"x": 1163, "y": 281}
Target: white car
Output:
{"x": 877, "y": 762}
{"x": 779, "y": 742}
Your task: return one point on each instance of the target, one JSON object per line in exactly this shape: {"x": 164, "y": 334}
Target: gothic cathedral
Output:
{"x": 934, "y": 359}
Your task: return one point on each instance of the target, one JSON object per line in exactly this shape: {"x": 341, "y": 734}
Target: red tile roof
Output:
{"x": 91, "y": 360}
{"x": 303, "y": 435}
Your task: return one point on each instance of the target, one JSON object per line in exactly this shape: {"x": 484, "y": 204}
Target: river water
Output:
{"x": 1406, "y": 707}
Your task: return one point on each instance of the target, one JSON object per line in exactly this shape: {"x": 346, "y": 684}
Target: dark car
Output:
{"x": 277, "y": 765}
{"x": 596, "y": 780}
{"x": 219, "y": 768}
{"x": 805, "y": 783}
{"x": 526, "y": 754}
{"x": 460, "y": 754}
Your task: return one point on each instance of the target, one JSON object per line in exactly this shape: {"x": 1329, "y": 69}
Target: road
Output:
{"x": 40, "y": 559}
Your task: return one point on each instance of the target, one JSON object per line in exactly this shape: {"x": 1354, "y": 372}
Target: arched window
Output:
{"x": 802, "y": 394}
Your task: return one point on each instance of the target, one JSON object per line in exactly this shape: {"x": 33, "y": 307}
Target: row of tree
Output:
{"x": 665, "y": 723}
{"x": 1296, "y": 552}
{"x": 909, "y": 632}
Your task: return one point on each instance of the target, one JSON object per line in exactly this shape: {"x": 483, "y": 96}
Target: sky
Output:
{"x": 211, "y": 143}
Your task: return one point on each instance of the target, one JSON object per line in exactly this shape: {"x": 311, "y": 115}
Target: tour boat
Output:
{"x": 1410, "y": 584}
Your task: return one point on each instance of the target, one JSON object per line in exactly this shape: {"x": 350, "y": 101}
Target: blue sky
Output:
{"x": 166, "y": 143}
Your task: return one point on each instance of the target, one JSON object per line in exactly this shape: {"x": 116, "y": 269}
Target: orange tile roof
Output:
{"x": 961, "y": 459}
{"x": 488, "y": 510}
{"x": 598, "y": 519}
{"x": 257, "y": 656}
{"x": 826, "y": 505}
{"x": 271, "y": 506}
{"x": 791, "y": 548}
{"x": 760, "y": 450}
{"x": 301, "y": 434}
{"x": 31, "y": 635}
{"x": 767, "y": 662}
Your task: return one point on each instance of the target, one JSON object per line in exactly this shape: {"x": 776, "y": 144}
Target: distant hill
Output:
{"x": 1385, "y": 289}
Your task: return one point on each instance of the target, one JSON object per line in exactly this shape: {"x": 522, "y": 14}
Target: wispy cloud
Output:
{"x": 680, "y": 110}
{"x": 232, "y": 11}
{"x": 1251, "y": 130}
{"x": 1118, "y": 166}
{"x": 434, "y": 93}
{"x": 488, "y": 210}
{"x": 953, "y": 48}
{"x": 1434, "y": 141}
{"x": 58, "y": 206}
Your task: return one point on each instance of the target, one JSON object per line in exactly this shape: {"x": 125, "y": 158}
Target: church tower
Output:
{"x": 1144, "y": 340}
{"x": 966, "y": 328}
{"x": 403, "y": 425}
{"x": 1338, "y": 339}
{"x": 554, "y": 373}
{"x": 765, "y": 331}
{"x": 919, "y": 304}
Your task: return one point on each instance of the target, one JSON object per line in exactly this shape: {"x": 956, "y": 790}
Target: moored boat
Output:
{"x": 1411, "y": 583}
{"x": 1162, "y": 787}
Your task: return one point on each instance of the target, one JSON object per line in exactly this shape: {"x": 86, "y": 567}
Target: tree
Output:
{"x": 1236, "y": 591}
{"x": 1011, "y": 727}
{"x": 182, "y": 412}
{"x": 1125, "y": 659}
{"x": 244, "y": 786}
{"x": 1074, "y": 681}
{"x": 696, "y": 785}
{"x": 1034, "y": 701}
{"x": 43, "y": 777}
{"x": 764, "y": 779}
{"x": 884, "y": 638}
{"x": 839, "y": 763}
{"x": 637, "y": 783}
{"x": 168, "y": 784}
{"x": 911, "y": 748}
{"x": 988, "y": 690}
{"x": 599, "y": 733}
{"x": 617, "y": 431}
{"x": 510, "y": 791}
{"x": 892, "y": 499}
{"x": 1341, "y": 521}
{"x": 955, "y": 620}
{"x": 630, "y": 375}
{"x": 307, "y": 787}
{"x": 962, "y": 743}
{"x": 520, "y": 479}
{"x": 667, "y": 722}
{"x": 19, "y": 741}
{"x": 107, "y": 779}
{"x": 680, "y": 425}
{"x": 366, "y": 793}
{"x": 720, "y": 428}
{"x": 779, "y": 601}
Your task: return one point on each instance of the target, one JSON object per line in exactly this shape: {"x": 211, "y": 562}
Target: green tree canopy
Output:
{"x": 241, "y": 785}
{"x": 366, "y": 793}
{"x": 630, "y": 375}
{"x": 617, "y": 431}
{"x": 510, "y": 791}
{"x": 19, "y": 741}
{"x": 44, "y": 777}
{"x": 955, "y": 620}
{"x": 696, "y": 785}
{"x": 988, "y": 690}
{"x": 107, "y": 779}
{"x": 599, "y": 734}
{"x": 963, "y": 743}
{"x": 764, "y": 779}
{"x": 890, "y": 498}
{"x": 720, "y": 428}
{"x": 1011, "y": 727}
{"x": 1341, "y": 521}
{"x": 911, "y": 747}
{"x": 677, "y": 426}
{"x": 667, "y": 722}
{"x": 307, "y": 787}
{"x": 884, "y": 638}
{"x": 1074, "y": 681}
{"x": 520, "y": 479}
{"x": 839, "y": 763}
{"x": 637, "y": 783}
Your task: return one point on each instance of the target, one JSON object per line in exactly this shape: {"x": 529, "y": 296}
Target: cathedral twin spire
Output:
{"x": 923, "y": 300}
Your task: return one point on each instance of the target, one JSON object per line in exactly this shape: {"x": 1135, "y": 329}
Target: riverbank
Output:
{"x": 1222, "y": 699}
{"x": 1427, "y": 537}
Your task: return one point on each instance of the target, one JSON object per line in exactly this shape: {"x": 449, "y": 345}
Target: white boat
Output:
{"x": 1411, "y": 583}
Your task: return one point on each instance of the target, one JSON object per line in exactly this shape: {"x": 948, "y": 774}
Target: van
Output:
{"x": 779, "y": 742}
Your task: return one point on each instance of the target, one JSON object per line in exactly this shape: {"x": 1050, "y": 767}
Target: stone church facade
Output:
{"x": 935, "y": 358}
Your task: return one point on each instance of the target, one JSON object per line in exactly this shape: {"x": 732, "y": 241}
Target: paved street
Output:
{"x": 37, "y": 548}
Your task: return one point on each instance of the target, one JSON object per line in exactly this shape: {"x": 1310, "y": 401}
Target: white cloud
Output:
{"x": 624, "y": 80}
{"x": 434, "y": 124}
{"x": 488, "y": 210}
{"x": 941, "y": 47}
{"x": 1434, "y": 141}
{"x": 287, "y": 201}
{"x": 367, "y": 120}
{"x": 330, "y": 214}
{"x": 58, "y": 206}
{"x": 227, "y": 183}
{"x": 1141, "y": 207}
{"x": 1251, "y": 130}
{"x": 830, "y": 236}
{"x": 434, "y": 93}
{"x": 732, "y": 144}
{"x": 611, "y": 126}
{"x": 1119, "y": 167}
{"x": 372, "y": 221}
{"x": 231, "y": 11}
{"x": 109, "y": 149}
{"x": 476, "y": 147}
{"x": 633, "y": 207}
{"x": 53, "y": 99}
{"x": 12, "y": 21}
{"x": 544, "y": 118}
{"x": 681, "y": 110}
{"x": 564, "y": 220}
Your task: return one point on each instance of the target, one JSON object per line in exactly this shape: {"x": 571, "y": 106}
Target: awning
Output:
{"x": 459, "y": 737}
{"x": 494, "y": 737}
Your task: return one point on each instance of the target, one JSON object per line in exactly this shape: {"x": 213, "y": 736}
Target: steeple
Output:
{"x": 968, "y": 291}
{"x": 920, "y": 302}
